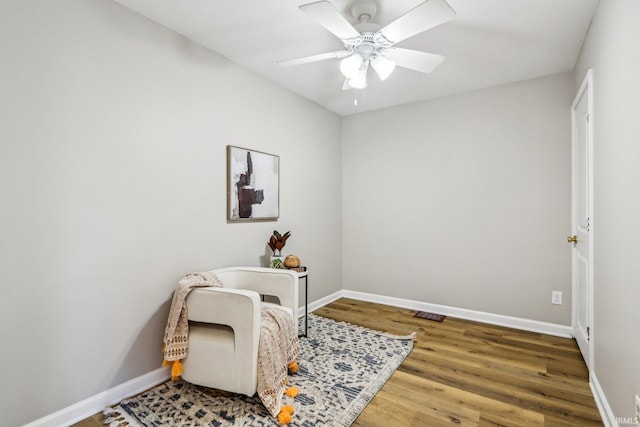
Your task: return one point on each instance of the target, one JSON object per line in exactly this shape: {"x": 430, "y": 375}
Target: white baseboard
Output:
{"x": 608, "y": 417}
{"x": 478, "y": 316}
{"x": 321, "y": 302}
{"x": 97, "y": 403}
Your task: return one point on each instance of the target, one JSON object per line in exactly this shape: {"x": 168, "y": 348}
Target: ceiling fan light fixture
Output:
{"x": 360, "y": 79}
{"x": 383, "y": 66}
{"x": 358, "y": 83}
{"x": 351, "y": 65}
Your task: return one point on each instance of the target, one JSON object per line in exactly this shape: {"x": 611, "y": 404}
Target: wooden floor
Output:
{"x": 470, "y": 374}
{"x": 474, "y": 374}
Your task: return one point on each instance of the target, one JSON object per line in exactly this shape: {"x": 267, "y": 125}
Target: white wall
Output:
{"x": 463, "y": 201}
{"x": 611, "y": 49}
{"x": 112, "y": 183}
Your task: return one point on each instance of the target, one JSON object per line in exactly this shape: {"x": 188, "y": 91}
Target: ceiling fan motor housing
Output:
{"x": 366, "y": 46}
{"x": 370, "y": 43}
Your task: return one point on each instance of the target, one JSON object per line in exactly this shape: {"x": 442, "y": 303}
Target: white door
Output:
{"x": 582, "y": 218}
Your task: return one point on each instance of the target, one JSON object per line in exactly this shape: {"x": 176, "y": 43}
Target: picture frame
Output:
{"x": 253, "y": 185}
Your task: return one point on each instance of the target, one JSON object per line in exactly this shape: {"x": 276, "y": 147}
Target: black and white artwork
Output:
{"x": 253, "y": 185}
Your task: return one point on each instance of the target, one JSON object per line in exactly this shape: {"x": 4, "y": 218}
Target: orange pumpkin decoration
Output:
{"x": 291, "y": 261}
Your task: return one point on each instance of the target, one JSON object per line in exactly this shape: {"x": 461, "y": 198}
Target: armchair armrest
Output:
{"x": 240, "y": 310}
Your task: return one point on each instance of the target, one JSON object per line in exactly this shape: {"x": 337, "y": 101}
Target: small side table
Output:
{"x": 304, "y": 274}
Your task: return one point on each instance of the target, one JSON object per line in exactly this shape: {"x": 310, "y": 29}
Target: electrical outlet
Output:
{"x": 556, "y": 297}
{"x": 637, "y": 408}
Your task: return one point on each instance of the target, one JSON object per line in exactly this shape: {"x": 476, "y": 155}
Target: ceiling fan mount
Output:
{"x": 364, "y": 11}
{"x": 369, "y": 44}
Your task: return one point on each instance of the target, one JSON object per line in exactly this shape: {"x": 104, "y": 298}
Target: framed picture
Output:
{"x": 253, "y": 185}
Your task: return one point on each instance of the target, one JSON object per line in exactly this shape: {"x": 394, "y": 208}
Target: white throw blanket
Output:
{"x": 278, "y": 345}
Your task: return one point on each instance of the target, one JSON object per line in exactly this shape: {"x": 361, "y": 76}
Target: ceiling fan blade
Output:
{"x": 314, "y": 58}
{"x": 325, "y": 14}
{"x": 423, "y": 17}
{"x": 414, "y": 60}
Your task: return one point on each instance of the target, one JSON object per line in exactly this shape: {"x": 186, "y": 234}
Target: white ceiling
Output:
{"x": 488, "y": 43}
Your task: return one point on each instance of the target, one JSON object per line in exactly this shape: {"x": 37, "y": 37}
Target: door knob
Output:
{"x": 572, "y": 239}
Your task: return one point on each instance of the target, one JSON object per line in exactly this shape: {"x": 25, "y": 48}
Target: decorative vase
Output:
{"x": 276, "y": 261}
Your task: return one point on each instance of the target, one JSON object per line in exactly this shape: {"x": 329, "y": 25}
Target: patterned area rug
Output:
{"x": 341, "y": 368}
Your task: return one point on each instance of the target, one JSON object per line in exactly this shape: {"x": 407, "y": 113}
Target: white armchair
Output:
{"x": 224, "y": 326}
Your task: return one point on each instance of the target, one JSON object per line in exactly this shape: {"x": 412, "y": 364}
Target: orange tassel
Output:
{"x": 292, "y": 391}
{"x": 176, "y": 370}
{"x": 293, "y": 366}
{"x": 284, "y": 418}
{"x": 288, "y": 409}
{"x": 165, "y": 363}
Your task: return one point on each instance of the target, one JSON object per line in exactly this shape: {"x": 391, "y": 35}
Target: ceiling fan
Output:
{"x": 369, "y": 44}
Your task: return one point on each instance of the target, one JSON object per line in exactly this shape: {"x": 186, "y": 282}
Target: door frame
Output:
{"x": 586, "y": 88}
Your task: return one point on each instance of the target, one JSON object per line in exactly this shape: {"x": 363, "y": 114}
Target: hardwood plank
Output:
{"x": 505, "y": 371}
{"x": 385, "y": 412}
{"x": 96, "y": 420}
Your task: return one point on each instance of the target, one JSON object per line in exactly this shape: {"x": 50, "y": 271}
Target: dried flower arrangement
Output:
{"x": 277, "y": 241}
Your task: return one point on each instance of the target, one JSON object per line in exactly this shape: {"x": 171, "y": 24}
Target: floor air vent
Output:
{"x": 430, "y": 316}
